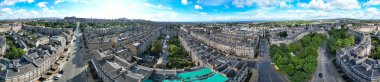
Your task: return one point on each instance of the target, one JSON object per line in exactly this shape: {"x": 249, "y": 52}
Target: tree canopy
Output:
{"x": 156, "y": 48}
{"x": 13, "y": 52}
{"x": 53, "y": 24}
{"x": 178, "y": 58}
{"x": 283, "y": 34}
{"x": 339, "y": 38}
{"x": 298, "y": 59}
{"x": 375, "y": 53}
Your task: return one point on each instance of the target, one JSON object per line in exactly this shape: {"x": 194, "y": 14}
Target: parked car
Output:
{"x": 320, "y": 75}
{"x": 57, "y": 77}
{"x": 61, "y": 72}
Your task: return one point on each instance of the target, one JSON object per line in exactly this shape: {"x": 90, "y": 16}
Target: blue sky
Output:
{"x": 193, "y": 10}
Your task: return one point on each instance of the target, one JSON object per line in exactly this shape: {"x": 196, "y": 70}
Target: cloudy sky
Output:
{"x": 192, "y": 10}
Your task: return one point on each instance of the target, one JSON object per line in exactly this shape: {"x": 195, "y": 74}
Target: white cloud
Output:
{"x": 12, "y": 2}
{"x": 316, "y": 4}
{"x": 21, "y": 11}
{"x": 197, "y": 7}
{"x": 331, "y": 4}
{"x": 199, "y": 15}
{"x": 58, "y": 1}
{"x": 372, "y": 3}
{"x": 184, "y": 2}
{"x": 262, "y": 3}
{"x": 203, "y": 13}
{"x": 132, "y": 9}
{"x": 372, "y": 10}
{"x": 242, "y": 3}
{"x": 301, "y": 14}
{"x": 7, "y": 13}
{"x": 139, "y": 9}
{"x": 6, "y": 10}
{"x": 47, "y": 10}
{"x": 42, "y": 4}
{"x": 34, "y": 12}
{"x": 159, "y": 6}
{"x": 345, "y": 4}
{"x": 213, "y": 2}
{"x": 165, "y": 15}
{"x": 284, "y": 5}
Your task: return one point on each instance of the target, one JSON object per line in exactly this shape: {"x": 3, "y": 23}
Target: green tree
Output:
{"x": 283, "y": 34}
{"x": 294, "y": 46}
{"x": 352, "y": 39}
{"x": 174, "y": 49}
{"x": 309, "y": 67}
{"x": 346, "y": 42}
{"x": 14, "y": 53}
{"x": 376, "y": 53}
{"x": 339, "y": 38}
{"x": 34, "y": 37}
{"x": 300, "y": 65}
{"x": 299, "y": 76}
{"x": 156, "y": 48}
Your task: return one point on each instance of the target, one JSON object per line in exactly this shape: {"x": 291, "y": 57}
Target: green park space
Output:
{"x": 375, "y": 53}
{"x": 178, "y": 58}
{"x": 298, "y": 59}
{"x": 339, "y": 38}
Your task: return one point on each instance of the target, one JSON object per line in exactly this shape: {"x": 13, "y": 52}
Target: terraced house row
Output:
{"x": 36, "y": 59}
{"x": 123, "y": 63}
{"x": 239, "y": 43}
{"x": 355, "y": 60}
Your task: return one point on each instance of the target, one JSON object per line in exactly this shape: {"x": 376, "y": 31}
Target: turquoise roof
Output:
{"x": 202, "y": 75}
{"x": 215, "y": 78}
{"x": 148, "y": 80}
{"x": 194, "y": 74}
{"x": 171, "y": 81}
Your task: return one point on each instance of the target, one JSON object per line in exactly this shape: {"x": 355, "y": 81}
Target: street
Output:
{"x": 325, "y": 67}
{"x": 267, "y": 73}
{"x": 75, "y": 66}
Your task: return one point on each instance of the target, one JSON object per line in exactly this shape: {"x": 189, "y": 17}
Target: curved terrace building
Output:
{"x": 355, "y": 62}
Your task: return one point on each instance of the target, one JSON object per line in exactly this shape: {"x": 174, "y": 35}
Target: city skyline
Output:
{"x": 192, "y": 10}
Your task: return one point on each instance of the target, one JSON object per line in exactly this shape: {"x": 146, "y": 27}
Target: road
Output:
{"x": 329, "y": 72}
{"x": 267, "y": 73}
{"x": 74, "y": 68}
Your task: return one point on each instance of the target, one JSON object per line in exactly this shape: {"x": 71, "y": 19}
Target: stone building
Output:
{"x": 114, "y": 64}
{"x": 30, "y": 66}
{"x": 3, "y": 45}
{"x": 242, "y": 45}
{"x": 355, "y": 62}
{"x": 203, "y": 55}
